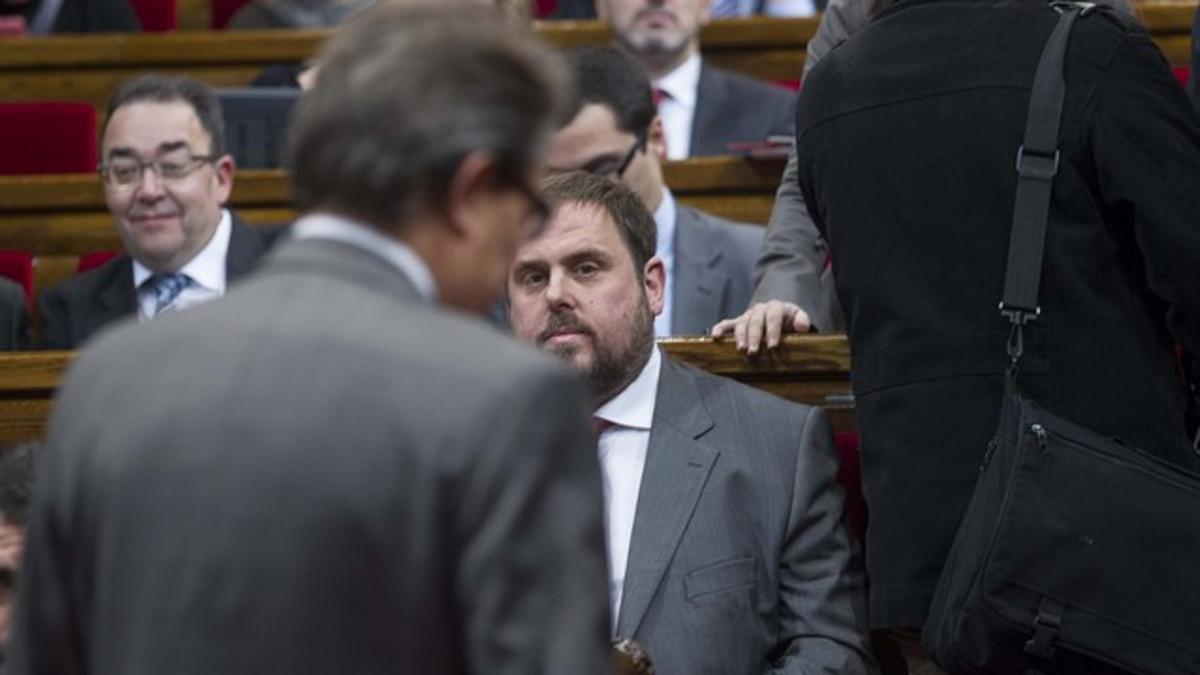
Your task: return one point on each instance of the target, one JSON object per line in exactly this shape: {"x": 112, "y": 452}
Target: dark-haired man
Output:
{"x": 335, "y": 468}
{"x": 166, "y": 180}
{"x": 617, "y": 133}
{"x": 703, "y": 108}
{"x": 728, "y": 552}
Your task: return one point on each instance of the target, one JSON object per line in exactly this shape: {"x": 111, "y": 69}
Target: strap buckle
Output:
{"x": 1046, "y": 627}
{"x": 1018, "y": 317}
{"x": 1037, "y": 165}
{"x": 1084, "y": 8}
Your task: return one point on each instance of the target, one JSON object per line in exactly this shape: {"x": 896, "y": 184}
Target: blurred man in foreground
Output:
{"x": 329, "y": 473}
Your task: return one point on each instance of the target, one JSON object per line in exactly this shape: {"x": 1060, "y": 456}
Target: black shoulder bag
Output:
{"x": 1078, "y": 553}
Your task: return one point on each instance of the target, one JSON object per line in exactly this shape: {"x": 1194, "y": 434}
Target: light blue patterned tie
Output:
{"x": 166, "y": 288}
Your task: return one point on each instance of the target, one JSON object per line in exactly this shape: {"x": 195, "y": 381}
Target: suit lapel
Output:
{"x": 706, "y": 121}
{"x": 677, "y": 466}
{"x": 699, "y": 282}
{"x": 117, "y": 299}
{"x": 246, "y": 246}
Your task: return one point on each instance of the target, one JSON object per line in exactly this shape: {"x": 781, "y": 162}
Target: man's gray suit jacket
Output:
{"x": 740, "y": 562}
{"x": 731, "y": 108}
{"x": 714, "y": 269}
{"x": 319, "y": 473}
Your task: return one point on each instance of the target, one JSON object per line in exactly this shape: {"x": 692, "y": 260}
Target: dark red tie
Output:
{"x": 600, "y": 425}
{"x": 659, "y": 95}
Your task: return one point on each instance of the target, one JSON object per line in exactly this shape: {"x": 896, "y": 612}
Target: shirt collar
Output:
{"x": 395, "y": 252}
{"x": 664, "y": 218}
{"x": 634, "y": 406}
{"x": 681, "y": 84}
{"x": 207, "y": 268}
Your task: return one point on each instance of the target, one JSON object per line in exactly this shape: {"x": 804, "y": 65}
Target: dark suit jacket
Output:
{"x": 14, "y": 317}
{"x": 740, "y": 562}
{"x": 731, "y": 107}
{"x": 74, "y": 310}
{"x": 905, "y": 158}
{"x": 326, "y": 474}
{"x": 714, "y": 269}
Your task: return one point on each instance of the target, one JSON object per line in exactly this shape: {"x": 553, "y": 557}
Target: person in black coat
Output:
{"x": 907, "y": 135}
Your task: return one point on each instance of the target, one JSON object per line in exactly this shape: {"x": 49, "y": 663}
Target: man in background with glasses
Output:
{"x": 617, "y": 133}
{"x": 166, "y": 181}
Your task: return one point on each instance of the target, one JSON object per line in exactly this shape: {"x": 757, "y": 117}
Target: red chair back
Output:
{"x": 156, "y": 16}
{"x": 223, "y": 11}
{"x": 543, "y": 8}
{"x": 18, "y": 266}
{"x": 850, "y": 476}
{"x": 47, "y": 137}
{"x": 93, "y": 259}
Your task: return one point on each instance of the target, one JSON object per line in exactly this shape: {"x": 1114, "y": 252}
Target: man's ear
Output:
{"x": 656, "y": 139}
{"x": 468, "y": 204}
{"x": 224, "y": 169}
{"x": 705, "y": 12}
{"x": 654, "y": 280}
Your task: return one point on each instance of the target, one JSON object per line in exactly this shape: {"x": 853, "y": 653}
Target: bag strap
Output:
{"x": 1037, "y": 165}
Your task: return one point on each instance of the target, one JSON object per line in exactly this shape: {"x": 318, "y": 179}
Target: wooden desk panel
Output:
{"x": 59, "y": 218}
{"x": 807, "y": 369}
{"x": 88, "y": 68}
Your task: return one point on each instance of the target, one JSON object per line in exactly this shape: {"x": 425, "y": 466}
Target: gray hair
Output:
{"x": 406, "y": 92}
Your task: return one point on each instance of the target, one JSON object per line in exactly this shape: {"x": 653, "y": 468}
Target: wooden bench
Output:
{"x": 58, "y": 218}
{"x": 88, "y": 68}
{"x": 807, "y": 369}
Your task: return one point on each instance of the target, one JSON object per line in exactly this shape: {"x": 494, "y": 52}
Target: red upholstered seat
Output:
{"x": 543, "y": 8}
{"x": 93, "y": 259}
{"x": 1182, "y": 73}
{"x": 156, "y": 16}
{"x": 18, "y": 266}
{"x": 850, "y": 476}
{"x": 223, "y": 11}
{"x": 47, "y": 137}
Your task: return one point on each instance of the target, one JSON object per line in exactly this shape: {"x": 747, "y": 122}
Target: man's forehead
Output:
{"x": 155, "y": 126}
{"x": 572, "y": 228}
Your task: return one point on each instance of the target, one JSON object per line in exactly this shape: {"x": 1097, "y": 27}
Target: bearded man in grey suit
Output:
{"x": 618, "y": 134}
{"x": 728, "y": 552}
{"x": 324, "y": 472}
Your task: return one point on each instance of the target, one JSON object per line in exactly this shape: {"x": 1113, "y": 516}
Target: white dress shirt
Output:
{"x": 665, "y": 219}
{"x": 678, "y": 107}
{"x": 395, "y": 252}
{"x": 622, "y": 449}
{"x": 206, "y": 271}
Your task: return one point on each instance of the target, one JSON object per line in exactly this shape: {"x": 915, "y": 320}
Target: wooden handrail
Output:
{"x": 806, "y": 369}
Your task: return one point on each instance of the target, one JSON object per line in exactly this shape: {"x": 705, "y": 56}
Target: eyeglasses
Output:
{"x": 638, "y": 144}
{"x": 125, "y": 173}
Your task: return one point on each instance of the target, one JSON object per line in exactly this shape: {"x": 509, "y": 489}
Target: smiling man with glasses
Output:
{"x": 166, "y": 180}
{"x": 617, "y": 133}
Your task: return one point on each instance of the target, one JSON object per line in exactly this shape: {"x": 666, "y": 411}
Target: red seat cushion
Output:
{"x": 156, "y": 16}
{"x": 93, "y": 259}
{"x": 223, "y": 11}
{"x": 47, "y": 137}
{"x": 850, "y": 476}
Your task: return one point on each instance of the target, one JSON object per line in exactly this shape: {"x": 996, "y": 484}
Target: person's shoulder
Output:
{"x": 84, "y": 286}
{"x": 721, "y": 230}
{"x": 747, "y": 88}
{"x": 723, "y": 395}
